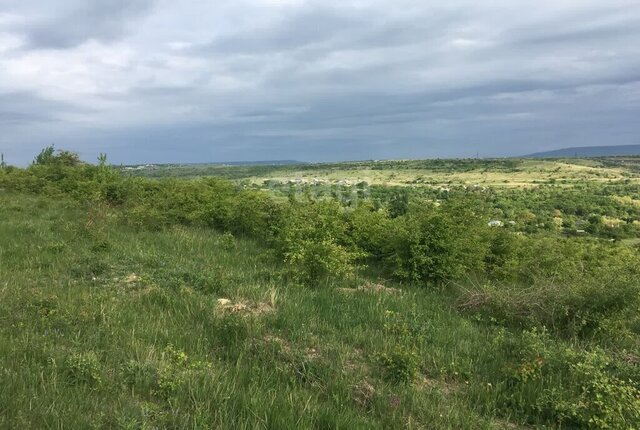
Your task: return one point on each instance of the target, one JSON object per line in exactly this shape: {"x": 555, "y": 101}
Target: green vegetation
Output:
{"x": 498, "y": 173}
{"x": 133, "y": 302}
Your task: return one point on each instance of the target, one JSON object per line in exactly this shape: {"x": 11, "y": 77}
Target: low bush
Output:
{"x": 574, "y": 388}
{"x": 573, "y": 289}
{"x": 83, "y": 368}
{"x": 438, "y": 244}
{"x": 400, "y": 365}
{"x": 313, "y": 241}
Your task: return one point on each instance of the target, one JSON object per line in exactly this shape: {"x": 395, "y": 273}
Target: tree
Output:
{"x": 399, "y": 203}
{"x": 45, "y": 156}
{"x": 49, "y": 156}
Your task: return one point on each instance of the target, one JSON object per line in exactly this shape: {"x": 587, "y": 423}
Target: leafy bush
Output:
{"x": 175, "y": 370}
{"x": 142, "y": 375}
{"x": 574, "y": 388}
{"x": 313, "y": 243}
{"x": 567, "y": 286}
{"x": 438, "y": 244}
{"x": 49, "y": 156}
{"x": 400, "y": 364}
{"x": 83, "y": 368}
{"x": 599, "y": 400}
{"x": 227, "y": 241}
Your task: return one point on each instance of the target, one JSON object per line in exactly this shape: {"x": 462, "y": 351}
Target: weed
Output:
{"x": 227, "y": 241}
{"x": 83, "y": 368}
{"x": 400, "y": 364}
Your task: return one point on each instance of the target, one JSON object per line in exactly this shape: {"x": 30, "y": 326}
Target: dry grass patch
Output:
{"x": 245, "y": 308}
{"x": 248, "y": 307}
{"x": 131, "y": 279}
{"x": 364, "y": 394}
{"x": 447, "y": 388}
{"x": 370, "y": 288}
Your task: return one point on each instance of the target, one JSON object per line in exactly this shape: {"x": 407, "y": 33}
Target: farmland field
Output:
{"x": 493, "y": 294}
{"x": 496, "y": 173}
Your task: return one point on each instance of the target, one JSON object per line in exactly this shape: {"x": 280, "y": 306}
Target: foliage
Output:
{"x": 83, "y": 368}
{"x": 143, "y": 316}
{"x": 400, "y": 365}
{"x": 583, "y": 393}
{"x": 601, "y": 401}
{"x": 436, "y": 244}
{"x": 227, "y": 241}
{"x": 569, "y": 286}
{"x": 312, "y": 242}
{"x": 49, "y": 157}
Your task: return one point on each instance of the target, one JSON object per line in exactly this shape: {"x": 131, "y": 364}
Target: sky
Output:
{"x": 156, "y": 81}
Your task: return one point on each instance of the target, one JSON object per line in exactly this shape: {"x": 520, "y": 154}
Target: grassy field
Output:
{"x": 500, "y": 173}
{"x": 528, "y": 173}
{"x": 142, "y": 304}
{"x": 106, "y": 327}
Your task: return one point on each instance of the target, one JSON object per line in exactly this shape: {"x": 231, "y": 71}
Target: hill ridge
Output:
{"x": 589, "y": 151}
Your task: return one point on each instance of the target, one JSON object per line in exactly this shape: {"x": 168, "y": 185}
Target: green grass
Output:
{"x": 104, "y": 326}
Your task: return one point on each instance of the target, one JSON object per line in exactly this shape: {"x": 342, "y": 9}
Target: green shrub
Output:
{"x": 573, "y": 289}
{"x": 599, "y": 401}
{"x": 138, "y": 374}
{"x": 400, "y": 364}
{"x": 438, "y": 244}
{"x": 83, "y": 368}
{"x": 313, "y": 242}
{"x": 572, "y": 387}
{"x": 373, "y": 231}
{"x": 227, "y": 241}
{"x": 175, "y": 371}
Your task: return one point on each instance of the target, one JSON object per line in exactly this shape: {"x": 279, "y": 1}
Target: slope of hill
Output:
{"x": 138, "y": 303}
{"x": 589, "y": 151}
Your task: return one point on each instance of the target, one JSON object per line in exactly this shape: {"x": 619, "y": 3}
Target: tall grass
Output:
{"x": 104, "y": 325}
{"x": 135, "y": 303}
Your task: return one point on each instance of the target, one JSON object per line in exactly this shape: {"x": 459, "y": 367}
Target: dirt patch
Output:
{"x": 245, "y": 307}
{"x": 131, "y": 279}
{"x": 312, "y": 353}
{"x": 363, "y": 394}
{"x": 282, "y": 344}
{"x": 370, "y": 288}
{"x": 394, "y": 401}
{"x": 426, "y": 383}
{"x": 631, "y": 358}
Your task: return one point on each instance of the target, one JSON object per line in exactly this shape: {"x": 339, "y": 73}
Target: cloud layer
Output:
{"x": 162, "y": 81}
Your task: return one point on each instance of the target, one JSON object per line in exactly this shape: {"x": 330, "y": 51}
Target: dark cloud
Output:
{"x": 25, "y": 108}
{"x": 102, "y": 20}
{"x": 245, "y": 79}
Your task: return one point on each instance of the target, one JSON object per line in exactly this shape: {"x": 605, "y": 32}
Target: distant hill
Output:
{"x": 589, "y": 151}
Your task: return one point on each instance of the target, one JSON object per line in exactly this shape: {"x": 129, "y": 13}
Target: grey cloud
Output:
{"x": 592, "y": 35}
{"x": 336, "y": 82}
{"x": 316, "y": 31}
{"x": 25, "y": 108}
{"x": 300, "y": 30}
{"x": 102, "y": 20}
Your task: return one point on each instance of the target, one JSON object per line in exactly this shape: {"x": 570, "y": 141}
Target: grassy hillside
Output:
{"x": 107, "y": 327}
{"x": 137, "y": 304}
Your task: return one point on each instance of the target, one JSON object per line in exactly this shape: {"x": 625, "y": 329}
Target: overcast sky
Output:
{"x": 196, "y": 80}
